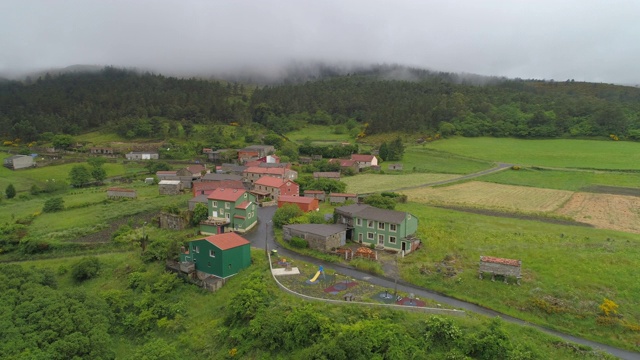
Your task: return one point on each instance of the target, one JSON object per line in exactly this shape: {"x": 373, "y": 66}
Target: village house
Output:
{"x": 333, "y": 175}
{"x": 222, "y": 255}
{"x": 102, "y": 151}
{"x": 142, "y": 155}
{"x": 268, "y": 186}
{"x": 323, "y": 237}
{"x": 230, "y": 210}
{"x": 341, "y": 198}
{"x": 16, "y": 162}
{"x": 318, "y": 194}
{"x": 205, "y": 187}
{"x": 233, "y": 169}
{"x": 364, "y": 161}
{"x": 346, "y": 165}
{"x": 114, "y": 193}
{"x": 170, "y": 187}
{"x": 395, "y": 167}
{"x": 197, "y": 170}
{"x": 166, "y": 175}
{"x": 253, "y": 173}
{"x": 305, "y": 204}
{"x": 386, "y": 229}
{"x": 255, "y": 152}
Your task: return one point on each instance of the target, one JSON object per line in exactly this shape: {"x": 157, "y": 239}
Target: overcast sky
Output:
{"x": 583, "y": 40}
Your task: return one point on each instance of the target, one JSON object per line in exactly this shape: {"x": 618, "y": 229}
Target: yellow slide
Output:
{"x": 315, "y": 277}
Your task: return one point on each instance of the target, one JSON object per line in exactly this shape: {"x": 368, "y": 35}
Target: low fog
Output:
{"x": 581, "y": 40}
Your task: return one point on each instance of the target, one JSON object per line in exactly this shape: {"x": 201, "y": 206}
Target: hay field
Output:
{"x": 496, "y": 196}
{"x": 606, "y": 211}
{"x": 368, "y": 183}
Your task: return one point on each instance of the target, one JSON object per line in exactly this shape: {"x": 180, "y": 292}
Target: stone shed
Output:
{"x": 170, "y": 187}
{"x": 114, "y": 193}
{"x": 323, "y": 237}
{"x": 500, "y": 266}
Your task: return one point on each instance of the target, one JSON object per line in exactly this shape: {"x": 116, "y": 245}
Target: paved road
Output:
{"x": 264, "y": 234}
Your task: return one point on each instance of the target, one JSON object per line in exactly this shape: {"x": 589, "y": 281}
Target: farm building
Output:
{"x": 346, "y": 165}
{"x": 304, "y": 160}
{"x": 254, "y": 152}
{"x": 113, "y": 193}
{"x": 365, "y": 161}
{"x": 16, "y": 162}
{"x": 222, "y": 255}
{"x": 253, "y": 173}
{"x": 321, "y": 237}
{"x": 387, "y": 229}
{"x": 339, "y": 198}
{"x": 102, "y": 151}
{"x": 317, "y": 194}
{"x": 305, "y": 204}
{"x": 170, "y": 187}
{"x": 142, "y": 155}
{"x": 230, "y": 210}
{"x": 334, "y": 175}
{"x": 205, "y": 187}
{"x": 268, "y": 186}
{"x": 166, "y": 175}
{"x": 395, "y": 167}
{"x": 233, "y": 169}
{"x": 196, "y": 170}
{"x": 221, "y": 155}
{"x": 500, "y": 266}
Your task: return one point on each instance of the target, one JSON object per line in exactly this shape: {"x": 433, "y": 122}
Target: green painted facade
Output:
{"x": 210, "y": 259}
{"x": 391, "y": 235}
{"x": 240, "y": 219}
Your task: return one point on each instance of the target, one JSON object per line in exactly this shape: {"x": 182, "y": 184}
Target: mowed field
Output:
{"x": 495, "y": 196}
{"x": 605, "y": 211}
{"x": 368, "y": 183}
{"x": 590, "y": 154}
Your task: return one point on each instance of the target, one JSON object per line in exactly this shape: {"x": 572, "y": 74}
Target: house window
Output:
{"x": 392, "y": 239}
{"x": 393, "y": 227}
{"x": 245, "y": 195}
{"x": 214, "y": 204}
{"x": 196, "y": 250}
{"x": 227, "y": 216}
{"x": 360, "y": 238}
{"x": 370, "y": 224}
{"x": 227, "y": 205}
{"x": 358, "y": 221}
{"x": 212, "y": 253}
{"x": 380, "y": 226}
{"x": 381, "y": 239}
{"x": 370, "y": 235}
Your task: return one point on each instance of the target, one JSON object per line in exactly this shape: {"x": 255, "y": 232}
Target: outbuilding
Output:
{"x": 305, "y": 204}
{"x": 323, "y": 237}
{"x": 170, "y": 187}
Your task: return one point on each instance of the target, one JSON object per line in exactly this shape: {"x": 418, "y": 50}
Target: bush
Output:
{"x": 285, "y": 214}
{"x": 85, "y": 269}
{"x": 370, "y": 266}
{"x": 10, "y": 191}
{"x": 53, "y": 205}
{"x": 299, "y": 242}
{"x": 441, "y": 331}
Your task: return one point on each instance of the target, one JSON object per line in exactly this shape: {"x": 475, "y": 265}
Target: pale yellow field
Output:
{"x": 616, "y": 212}
{"x": 368, "y": 183}
{"x": 493, "y": 196}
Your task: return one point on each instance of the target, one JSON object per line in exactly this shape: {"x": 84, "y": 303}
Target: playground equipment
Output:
{"x": 315, "y": 278}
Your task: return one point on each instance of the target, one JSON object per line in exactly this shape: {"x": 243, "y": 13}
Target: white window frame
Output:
{"x": 227, "y": 205}
{"x": 358, "y": 221}
{"x": 214, "y": 204}
{"x": 392, "y": 240}
{"x": 393, "y": 227}
{"x": 196, "y": 249}
{"x": 212, "y": 253}
{"x": 227, "y": 216}
{"x": 370, "y": 224}
{"x": 380, "y": 225}
{"x": 370, "y": 236}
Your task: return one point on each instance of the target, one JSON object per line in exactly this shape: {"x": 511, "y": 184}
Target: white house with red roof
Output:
{"x": 268, "y": 186}
{"x": 365, "y": 161}
{"x": 230, "y": 210}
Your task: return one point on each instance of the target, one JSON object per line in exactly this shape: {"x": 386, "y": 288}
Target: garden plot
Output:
{"x": 488, "y": 195}
{"x": 616, "y": 212}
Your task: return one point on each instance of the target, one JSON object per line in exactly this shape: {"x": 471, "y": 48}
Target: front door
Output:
{"x": 380, "y": 239}
{"x": 360, "y": 238}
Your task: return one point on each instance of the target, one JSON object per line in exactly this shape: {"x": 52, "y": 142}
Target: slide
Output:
{"x": 315, "y": 277}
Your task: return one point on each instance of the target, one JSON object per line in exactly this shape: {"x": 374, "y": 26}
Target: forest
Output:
{"x": 132, "y": 104}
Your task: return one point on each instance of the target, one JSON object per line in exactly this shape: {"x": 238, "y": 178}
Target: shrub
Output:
{"x": 53, "y": 205}
{"x": 440, "y": 330}
{"x": 608, "y": 307}
{"x": 299, "y": 242}
{"x": 285, "y": 214}
{"x": 370, "y": 266}
{"x": 10, "y": 191}
{"x": 85, "y": 269}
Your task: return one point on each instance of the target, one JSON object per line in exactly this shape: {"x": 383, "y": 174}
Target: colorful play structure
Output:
{"x": 314, "y": 279}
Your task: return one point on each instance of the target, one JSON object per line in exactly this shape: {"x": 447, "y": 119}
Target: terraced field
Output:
{"x": 606, "y": 211}
{"x": 368, "y": 183}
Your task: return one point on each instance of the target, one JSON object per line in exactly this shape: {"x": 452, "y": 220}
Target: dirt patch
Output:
{"x": 509, "y": 215}
{"x": 615, "y": 212}
{"x": 613, "y": 190}
{"x": 104, "y": 236}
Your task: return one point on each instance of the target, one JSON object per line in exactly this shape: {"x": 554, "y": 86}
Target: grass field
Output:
{"x": 318, "y": 134}
{"x": 605, "y": 211}
{"x": 368, "y": 183}
{"x": 563, "y": 180}
{"x": 495, "y": 196}
{"x": 423, "y": 159}
{"x": 567, "y": 270}
{"x": 589, "y": 154}
{"x": 99, "y": 137}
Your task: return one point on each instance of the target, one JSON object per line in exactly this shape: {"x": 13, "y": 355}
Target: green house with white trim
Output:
{"x": 230, "y": 210}
{"x": 386, "y": 229}
{"x": 221, "y": 255}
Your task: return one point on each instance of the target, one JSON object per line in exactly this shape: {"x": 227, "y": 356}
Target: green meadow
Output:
{"x": 588, "y": 154}
{"x": 424, "y": 159}
{"x": 318, "y": 134}
{"x": 568, "y": 271}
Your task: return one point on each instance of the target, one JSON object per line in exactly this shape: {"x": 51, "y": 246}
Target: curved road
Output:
{"x": 264, "y": 235}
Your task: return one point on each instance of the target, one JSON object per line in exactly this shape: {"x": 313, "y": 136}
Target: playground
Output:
{"x": 320, "y": 282}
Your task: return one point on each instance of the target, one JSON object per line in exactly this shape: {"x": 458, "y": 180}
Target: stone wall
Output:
{"x": 172, "y": 221}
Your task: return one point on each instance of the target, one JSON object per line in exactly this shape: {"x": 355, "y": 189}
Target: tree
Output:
{"x": 200, "y": 212}
{"x": 85, "y": 269}
{"x": 10, "y": 191}
{"x": 155, "y": 166}
{"x": 79, "y": 176}
{"x": 98, "y": 174}
{"x": 62, "y": 141}
{"x": 96, "y": 161}
{"x": 273, "y": 139}
{"x": 53, "y": 205}
{"x": 379, "y": 201}
{"x": 383, "y": 152}
{"x": 285, "y": 214}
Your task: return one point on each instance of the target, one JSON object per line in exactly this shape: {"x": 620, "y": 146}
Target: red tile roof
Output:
{"x": 266, "y": 171}
{"x": 491, "y": 259}
{"x": 253, "y": 163}
{"x": 195, "y": 169}
{"x": 207, "y": 186}
{"x": 296, "y": 199}
{"x": 244, "y": 205}
{"x": 226, "y": 241}
{"x": 226, "y": 194}
{"x": 269, "y": 181}
{"x": 362, "y": 158}
{"x": 314, "y": 192}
